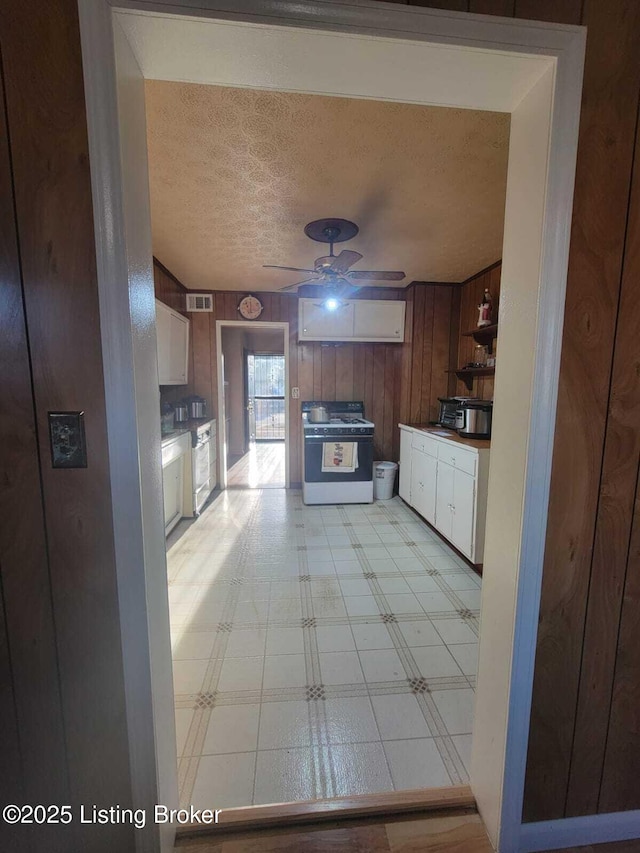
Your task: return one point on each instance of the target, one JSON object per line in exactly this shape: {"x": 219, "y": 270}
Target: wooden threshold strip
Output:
{"x": 338, "y": 808}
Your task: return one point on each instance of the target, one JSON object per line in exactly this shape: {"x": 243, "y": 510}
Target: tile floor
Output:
{"x": 318, "y": 651}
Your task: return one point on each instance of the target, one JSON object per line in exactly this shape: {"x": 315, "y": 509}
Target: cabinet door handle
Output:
{"x": 453, "y": 460}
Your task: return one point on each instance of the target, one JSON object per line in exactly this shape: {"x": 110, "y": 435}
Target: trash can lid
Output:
{"x": 386, "y": 464}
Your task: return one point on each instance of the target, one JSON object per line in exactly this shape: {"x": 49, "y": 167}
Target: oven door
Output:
{"x": 313, "y": 472}
{"x": 201, "y": 455}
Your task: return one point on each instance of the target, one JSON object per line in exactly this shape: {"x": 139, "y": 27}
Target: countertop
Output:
{"x": 187, "y": 426}
{"x": 451, "y": 435}
{"x": 175, "y": 433}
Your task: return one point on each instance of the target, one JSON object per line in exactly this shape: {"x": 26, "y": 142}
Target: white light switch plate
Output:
{"x": 295, "y": 393}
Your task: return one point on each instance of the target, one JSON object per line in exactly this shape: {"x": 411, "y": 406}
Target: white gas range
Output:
{"x": 338, "y": 455}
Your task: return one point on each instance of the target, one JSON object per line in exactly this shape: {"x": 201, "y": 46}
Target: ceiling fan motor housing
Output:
{"x": 331, "y": 269}
{"x": 331, "y": 231}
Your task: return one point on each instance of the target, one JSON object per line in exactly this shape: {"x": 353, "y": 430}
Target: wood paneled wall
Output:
{"x": 397, "y": 382}
{"x": 429, "y": 351}
{"x": 471, "y": 295}
{"x": 57, "y": 564}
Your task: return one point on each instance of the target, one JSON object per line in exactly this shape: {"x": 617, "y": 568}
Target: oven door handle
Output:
{"x": 345, "y": 439}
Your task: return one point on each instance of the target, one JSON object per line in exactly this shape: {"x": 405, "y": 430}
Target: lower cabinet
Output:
{"x": 172, "y": 485}
{"x": 423, "y": 485}
{"x": 455, "y": 507}
{"x": 446, "y": 483}
{"x": 177, "y": 481}
{"x": 405, "y": 474}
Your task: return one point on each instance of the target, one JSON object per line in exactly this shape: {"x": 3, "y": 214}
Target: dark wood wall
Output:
{"x": 62, "y": 694}
{"x": 471, "y": 295}
{"x": 397, "y": 382}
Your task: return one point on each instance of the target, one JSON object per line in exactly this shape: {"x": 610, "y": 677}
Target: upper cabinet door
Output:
{"x": 319, "y": 323}
{"x": 379, "y": 320}
{"x": 355, "y": 320}
{"x": 163, "y": 339}
{"x": 179, "y": 349}
{"x": 172, "y": 332}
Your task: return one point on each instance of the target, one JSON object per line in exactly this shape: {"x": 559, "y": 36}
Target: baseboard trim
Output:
{"x": 576, "y": 831}
{"x": 339, "y": 808}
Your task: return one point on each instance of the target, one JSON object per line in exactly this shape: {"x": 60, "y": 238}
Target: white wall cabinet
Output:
{"x": 446, "y": 482}
{"x": 354, "y": 320}
{"x": 318, "y": 323}
{"x": 172, "y": 333}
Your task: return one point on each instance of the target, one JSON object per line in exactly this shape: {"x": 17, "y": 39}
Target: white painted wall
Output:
{"x": 518, "y": 314}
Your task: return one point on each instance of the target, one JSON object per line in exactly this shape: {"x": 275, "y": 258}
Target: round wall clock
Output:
{"x": 250, "y": 307}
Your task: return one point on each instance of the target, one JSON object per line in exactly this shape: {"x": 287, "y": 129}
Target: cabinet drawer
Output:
{"x": 465, "y": 460}
{"x": 424, "y": 444}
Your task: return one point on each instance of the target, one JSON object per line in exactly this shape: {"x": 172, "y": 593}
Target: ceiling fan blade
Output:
{"x": 298, "y": 283}
{"x": 292, "y": 269}
{"x": 379, "y": 275}
{"x": 344, "y": 260}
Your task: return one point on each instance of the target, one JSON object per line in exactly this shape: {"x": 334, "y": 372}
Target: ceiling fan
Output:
{"x": 334, "y": 269}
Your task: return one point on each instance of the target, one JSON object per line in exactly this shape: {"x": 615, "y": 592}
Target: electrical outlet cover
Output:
{"x": 66, "y": 434}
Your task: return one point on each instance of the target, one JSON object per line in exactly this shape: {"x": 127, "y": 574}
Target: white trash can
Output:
{"x": 384, "y": 478}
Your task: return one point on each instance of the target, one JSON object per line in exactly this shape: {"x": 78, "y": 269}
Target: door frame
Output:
{"x": 117, "y": 36}
{"x": 245, "y": 385}
{"x": 222, "y": 427}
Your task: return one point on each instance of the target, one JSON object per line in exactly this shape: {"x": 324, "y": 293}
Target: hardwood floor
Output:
{"x": 459, "y": 833}
{"x": 261, "y": 468}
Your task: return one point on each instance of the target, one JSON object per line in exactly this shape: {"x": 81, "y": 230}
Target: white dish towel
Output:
{"x": 339, "y": 457}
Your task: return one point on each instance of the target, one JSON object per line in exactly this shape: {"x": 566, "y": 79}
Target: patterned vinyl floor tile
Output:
{"x": 318, "y": 651}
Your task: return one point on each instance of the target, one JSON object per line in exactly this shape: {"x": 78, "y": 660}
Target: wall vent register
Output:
{"x": 198, "y": 302}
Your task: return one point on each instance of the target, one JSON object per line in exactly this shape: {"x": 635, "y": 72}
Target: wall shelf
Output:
{"x": 468, "y": 374}
{"x": 484, "y": 335}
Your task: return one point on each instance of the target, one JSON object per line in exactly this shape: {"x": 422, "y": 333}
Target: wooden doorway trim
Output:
{"x": 222, "y": 436}
{"x": 539, "y": 206}
{"x": 356, "y": 806}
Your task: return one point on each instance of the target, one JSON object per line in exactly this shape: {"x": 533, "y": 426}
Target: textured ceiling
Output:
{"x": 235, "y": 175}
